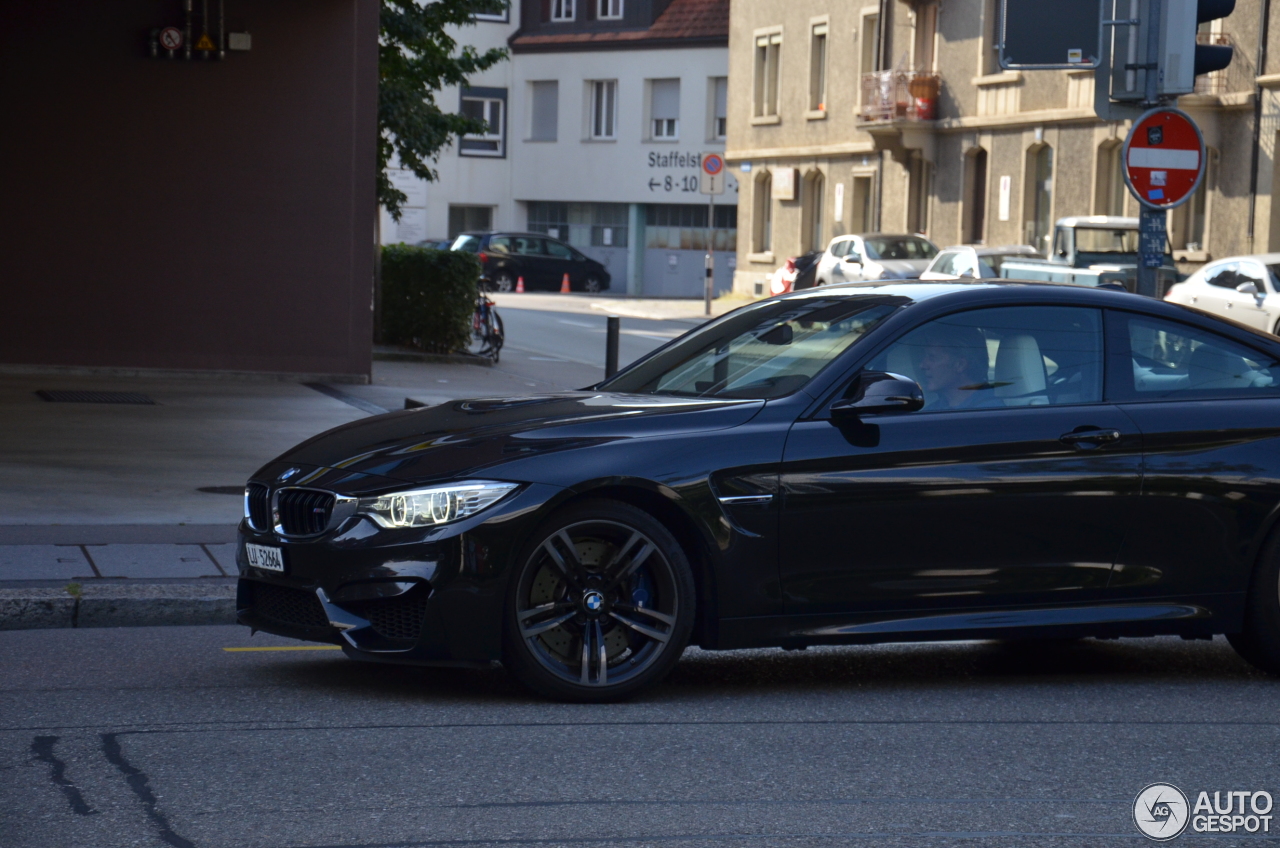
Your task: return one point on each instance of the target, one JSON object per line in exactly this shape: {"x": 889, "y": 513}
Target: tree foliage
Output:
{"x": 416, "y": 59}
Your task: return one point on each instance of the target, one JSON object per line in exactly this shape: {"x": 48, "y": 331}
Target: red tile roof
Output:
{"x": 694, "y": 20}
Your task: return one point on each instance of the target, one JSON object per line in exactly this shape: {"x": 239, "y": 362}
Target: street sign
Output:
{"x": 171, "y": 38}
{"x": 711, "y": 177}
{"x": 1045, "y": 34}
{"x": 1164, "y": 158}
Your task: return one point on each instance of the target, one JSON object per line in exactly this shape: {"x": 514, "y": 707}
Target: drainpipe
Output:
{"x": 222, "y": 30}
{"x": 186, "y": 29}
{"x": 1260, "y": 69}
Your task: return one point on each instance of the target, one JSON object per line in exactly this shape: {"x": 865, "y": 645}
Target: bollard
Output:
{"x": 611, "y": 347}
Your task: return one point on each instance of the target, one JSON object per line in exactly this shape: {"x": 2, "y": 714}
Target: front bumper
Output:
{"x": 426, "y": 596}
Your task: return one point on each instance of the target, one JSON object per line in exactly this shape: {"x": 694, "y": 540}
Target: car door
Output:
{"x": 534, "y": 262}
{"x": 1213, "y": 294}
{"x": 849, "y": 268}
{"x": 1247, "y": 308}
{"x": 561, "y": 262}
{"x": 1208, "y": 407}
{"x": 1019, "y": 495}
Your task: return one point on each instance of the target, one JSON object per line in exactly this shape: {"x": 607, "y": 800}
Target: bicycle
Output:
{"x": 486, "y": 325}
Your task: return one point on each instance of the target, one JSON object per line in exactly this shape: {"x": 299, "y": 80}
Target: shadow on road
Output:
{"x": 880, "y": 669}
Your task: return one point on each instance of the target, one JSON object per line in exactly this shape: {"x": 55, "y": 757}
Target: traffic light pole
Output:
{"x": 1152, "y": 237}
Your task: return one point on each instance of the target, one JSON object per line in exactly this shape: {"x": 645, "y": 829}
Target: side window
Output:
{"x": 1247, "y": 272}
{"x": 1002, "y": 357}
{"x": 558, "y": 250}
{"x": 500, "y": 244}
{"x": 1223, "y": 275}
{"x": 1165, "y": 360}
{"x": 528, "y": 246}
{"x": 838, "y": 248}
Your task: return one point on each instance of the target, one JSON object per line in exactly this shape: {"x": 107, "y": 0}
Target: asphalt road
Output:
{"x": 568, "y": 348}
{"x": 154, "y": 737}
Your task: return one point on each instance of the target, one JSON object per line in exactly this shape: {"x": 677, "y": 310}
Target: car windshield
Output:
{"x": 763, "y": 351}
{"x": 899, "y": 247}
{"x": 1093, "y": 240}
{"x": 471, "y": 244}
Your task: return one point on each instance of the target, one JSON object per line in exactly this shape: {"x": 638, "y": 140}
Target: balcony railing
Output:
{"x": 1238, "y": 76}
{"x": 900, "y": 96}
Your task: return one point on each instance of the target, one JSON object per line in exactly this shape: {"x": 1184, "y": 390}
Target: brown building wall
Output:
{"x": 188, "y": 215}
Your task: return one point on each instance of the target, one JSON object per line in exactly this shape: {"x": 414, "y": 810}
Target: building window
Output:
{"x": 609, "y": 10}
{"x": 812, "y": 191}
{"x": 678, "y": 226}
{"x": 1038, "y": 198}
{"x": 762, "y": 214}
{"x": 497, "y": 17}
{"x": 664, "y": 108}
{"x": 467, "y": 219}
{"x": 490, "y": 106}
{"x": 609, "y": 224}
{"x": 719, "y": 108}
{"x": 544, "y": 117}
{"x": 1111, "y": 193}
{"x": 561, "y": 10}
{"x": 861, "y": 206}
{"x": 926, "y": 31}
{"x": 919, "y": 175}
{"x": 974, "y": 222}
{"x": 550, "y": 218}
{"x": 818, "y": 68}
{"x": 868, "y": 48}
{"x": 604, "y": 108}
{"x": 768, "y": 48}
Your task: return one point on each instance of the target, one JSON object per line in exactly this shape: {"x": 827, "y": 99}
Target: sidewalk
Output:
{"x": 124, "y": 514}
{"x": 688, "y": 310}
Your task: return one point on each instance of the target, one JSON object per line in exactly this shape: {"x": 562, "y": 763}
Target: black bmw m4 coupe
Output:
{"x": 844, "y": 465}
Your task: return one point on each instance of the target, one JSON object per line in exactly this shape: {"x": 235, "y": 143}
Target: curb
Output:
{"x": 138, "y": 605}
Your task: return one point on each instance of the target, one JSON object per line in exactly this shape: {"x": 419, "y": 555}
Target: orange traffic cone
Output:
{"x": 564, "y": 285}
{"x": 519, "y": 285}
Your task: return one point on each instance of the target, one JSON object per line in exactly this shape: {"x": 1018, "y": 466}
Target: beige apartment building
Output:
{"x": 894, "y": 116}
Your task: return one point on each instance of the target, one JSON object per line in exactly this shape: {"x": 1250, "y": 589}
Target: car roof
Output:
{"x": 985, "y": 250}
{"x": 1264, "y": 258}
{"x": 483, "y": 233}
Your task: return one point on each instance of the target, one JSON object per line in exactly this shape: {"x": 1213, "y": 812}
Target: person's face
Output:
{"x": 941, "y": 368}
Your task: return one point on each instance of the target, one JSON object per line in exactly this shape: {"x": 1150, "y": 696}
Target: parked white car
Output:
{"x": 968, "y": 261}
{"x": 874, "y": 256}
{"x": 1243, "y": 288}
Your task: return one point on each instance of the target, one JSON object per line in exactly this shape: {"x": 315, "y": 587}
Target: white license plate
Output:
{"x": 261, "y": 556}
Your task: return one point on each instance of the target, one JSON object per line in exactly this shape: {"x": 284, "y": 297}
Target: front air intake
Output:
{"x": 257, "y": 501}
{"x": 303, "y": 512}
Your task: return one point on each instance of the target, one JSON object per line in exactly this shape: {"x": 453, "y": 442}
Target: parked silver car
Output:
{"x": 874, "y": 256}
{"x": 1243, "y": 288}
{"x": 969, "y": 261}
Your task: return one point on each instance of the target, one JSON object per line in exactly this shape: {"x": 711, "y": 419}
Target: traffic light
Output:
{"x": 1181, "y": 58}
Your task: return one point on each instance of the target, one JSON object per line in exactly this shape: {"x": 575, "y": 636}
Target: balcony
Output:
{"x": 892, "y": 96}
{"x": 1238, "y": 76}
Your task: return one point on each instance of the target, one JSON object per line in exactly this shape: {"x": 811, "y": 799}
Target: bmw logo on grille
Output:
{"x": 593, "y": 601}
{"x": 288, "y": 474}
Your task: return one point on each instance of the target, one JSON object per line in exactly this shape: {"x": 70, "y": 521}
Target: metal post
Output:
{"x": 710, "y": 261}
{"x": 1151, "y": 221}
{"x": 611, "y": 346}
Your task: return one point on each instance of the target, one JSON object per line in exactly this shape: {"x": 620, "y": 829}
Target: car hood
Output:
{"x": 465, "y": 437}
{"x": 908, "y": 269}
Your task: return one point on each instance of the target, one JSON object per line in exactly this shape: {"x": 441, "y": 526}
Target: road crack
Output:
{"x": 138, "y": 782}
{"x": 42, "y": 750}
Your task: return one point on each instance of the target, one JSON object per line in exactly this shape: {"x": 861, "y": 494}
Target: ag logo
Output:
{"x": 1160, "y": 812}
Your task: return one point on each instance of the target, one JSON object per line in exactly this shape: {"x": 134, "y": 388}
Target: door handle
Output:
{"x": 1086, "y": 436}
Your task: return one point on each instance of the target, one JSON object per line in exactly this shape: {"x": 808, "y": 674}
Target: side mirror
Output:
{"x": 855, "y": 258}
{"x": 1247, "y": 288}
{"x": 879, "y": 392}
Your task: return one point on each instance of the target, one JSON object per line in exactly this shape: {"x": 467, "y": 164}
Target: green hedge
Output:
{"x": 428, "y": 297}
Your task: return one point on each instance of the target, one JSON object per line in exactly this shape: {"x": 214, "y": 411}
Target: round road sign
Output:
{"x": 1164, "y": 158}
{"x": 170, "y": 38}
{"x": 712, "y": 163}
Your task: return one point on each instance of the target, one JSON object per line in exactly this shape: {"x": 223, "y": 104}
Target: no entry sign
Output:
{"x": 1164, "y": 158}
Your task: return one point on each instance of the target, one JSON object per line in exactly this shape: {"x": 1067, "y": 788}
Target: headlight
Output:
{"x": 435, "y": 505}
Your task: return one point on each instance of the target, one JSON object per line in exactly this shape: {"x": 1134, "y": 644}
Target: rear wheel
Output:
{"x": 592, "y": 284}
{"x": 1259, "y": 641}
{"x": 601, "y": 605}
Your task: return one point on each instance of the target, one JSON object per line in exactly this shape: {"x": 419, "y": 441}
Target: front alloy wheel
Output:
{"x": 602, "y": 606}
{"x": 502, "y": 282}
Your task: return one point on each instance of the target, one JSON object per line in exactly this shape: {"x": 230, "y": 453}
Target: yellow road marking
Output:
{"x": 291, "y": 648}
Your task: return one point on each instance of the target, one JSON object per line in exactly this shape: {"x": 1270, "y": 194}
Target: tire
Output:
{"x": 601, "y": 580}
{"x": 503, "y": 282}
{"x": 592, "y": 284}
{"x": 1259, "y": 642}
{"x": 497, "y": 335}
